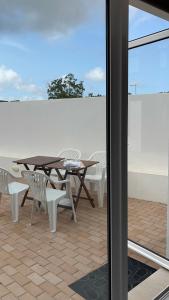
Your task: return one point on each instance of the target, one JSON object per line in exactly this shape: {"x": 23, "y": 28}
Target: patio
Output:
{"x": 147, "y": 224}
{"x": 35, "y": 265}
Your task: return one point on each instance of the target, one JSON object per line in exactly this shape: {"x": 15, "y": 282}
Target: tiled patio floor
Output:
{"x": 36, "y": 265}
{"x": 147, "y": 224}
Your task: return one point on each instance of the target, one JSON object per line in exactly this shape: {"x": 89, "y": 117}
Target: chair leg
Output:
{"x": 32, "y": 211}
{"x": 74, "y": 212}
{"x": 100, "y": 194}
{"x": 76, "y": 184}
{"x": 15, "y": 208}
{"x": 52, "y": 212}
{"x": 0, "y": 198}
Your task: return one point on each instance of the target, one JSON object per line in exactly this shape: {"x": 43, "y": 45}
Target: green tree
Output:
{"x": 92, "y": 95}
{"x": 66, "y": 87}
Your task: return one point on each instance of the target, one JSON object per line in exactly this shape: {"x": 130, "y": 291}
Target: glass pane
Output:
{"x": 148, "y": 140}
{"x": 143, "y": 23}
{"x": 149, "y": 69}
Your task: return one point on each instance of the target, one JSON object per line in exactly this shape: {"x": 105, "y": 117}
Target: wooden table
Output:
{"x": 80, "y": 172}
{"x": 39, "y": 163}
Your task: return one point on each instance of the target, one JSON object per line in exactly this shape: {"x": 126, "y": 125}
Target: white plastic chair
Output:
{"x": 50, "y": 198}
{"x": 68, "y": 153}
{"x": 97, "y": 175}
{"x": 9, "y": 186}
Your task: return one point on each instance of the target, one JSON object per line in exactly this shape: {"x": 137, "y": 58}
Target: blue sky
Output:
{"x": 38, "y": 46}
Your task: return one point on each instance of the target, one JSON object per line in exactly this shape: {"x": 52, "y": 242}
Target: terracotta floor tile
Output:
{"x": 16, "y": 289}
{"x": 27, "y": 297}
{"x": 52, "y": 278}
{"x": 49, "y": 288}
{"x": 21, "y": 279}
{"x": 3, "y": 291}
{"x": 9, "y": 270}
{"x": 7, "y": 248}
{"x": 28, "y": 261}
{"x": 62, "y": 296}
{"x": 45, "y": 296}
{"x": 24, "y": 270}
{"x": 33, "y": 289}
{"x": 36, "y": 279}
{"x": 39, "y": 269}
{"x": 5, "y": 279}
{"x": 9, "y": 297}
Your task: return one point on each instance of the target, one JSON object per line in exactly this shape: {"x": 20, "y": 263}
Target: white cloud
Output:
{"x": 51, "y": 18}
{"x": 27, "y": 87}
{"x": 10, "y": 78}
{"x": 7, "y": 76}
{"x": 32, "y": 98}
{"x": 14, "y": 44}
{"x": 96, "y": 74}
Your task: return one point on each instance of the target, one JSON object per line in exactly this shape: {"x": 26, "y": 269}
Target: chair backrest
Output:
{"x": 37, "y": 183}
{"x": 5, "y": 179}
{"x": 101, "y": 157}
{"x": 70, "y": 153}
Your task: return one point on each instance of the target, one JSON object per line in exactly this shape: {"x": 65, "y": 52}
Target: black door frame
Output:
{"x": 117, "y": 124}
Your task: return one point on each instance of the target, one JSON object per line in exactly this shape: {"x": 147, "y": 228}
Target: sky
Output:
{"x": 43, "y": 40}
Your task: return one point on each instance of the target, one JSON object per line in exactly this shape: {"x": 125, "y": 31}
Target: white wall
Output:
{"x": 149, "y": 123}
{"x": 45, "y": 127}
{"x": 148, "y": 129}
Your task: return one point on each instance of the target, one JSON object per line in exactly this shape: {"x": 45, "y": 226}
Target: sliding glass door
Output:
{"x": 148, "y": 137}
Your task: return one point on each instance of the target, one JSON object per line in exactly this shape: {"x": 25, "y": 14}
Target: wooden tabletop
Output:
{"x": 38, "y": 160}
{"x": 60, "y": 165}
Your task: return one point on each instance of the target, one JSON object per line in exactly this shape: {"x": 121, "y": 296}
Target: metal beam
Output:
{"x": 117, "y": 112}
{"x": 159, "y": 260}
{"x": 151, "y": 8}
{"x": 149, "y": 39}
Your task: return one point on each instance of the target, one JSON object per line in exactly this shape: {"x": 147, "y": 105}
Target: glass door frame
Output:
{"x": 117, "y": 146}
{"x": 161, "y": 261}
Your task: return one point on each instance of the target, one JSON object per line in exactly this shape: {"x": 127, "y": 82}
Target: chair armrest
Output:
{"x": 58, "y": 181}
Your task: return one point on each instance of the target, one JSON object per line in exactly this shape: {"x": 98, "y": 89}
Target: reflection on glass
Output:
{"x": 143, "y": 23}
{"x": 148, "y": 140}
{"x": 149, "y": 69}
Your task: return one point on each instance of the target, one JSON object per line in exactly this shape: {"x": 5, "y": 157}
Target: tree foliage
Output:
{"x": 65, "y": 87}
{"x": 93, "y": 95}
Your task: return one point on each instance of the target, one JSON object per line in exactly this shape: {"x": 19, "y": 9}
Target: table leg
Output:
{"x": 59, "y": 174}
{"x": 24, "y": 198}
{"x": 26, "y": 167}
{"x": 81, "y": 177}
{"x": 26, "y": 193}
